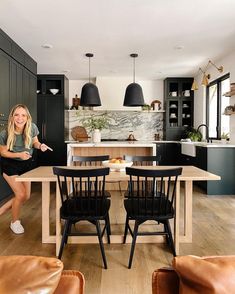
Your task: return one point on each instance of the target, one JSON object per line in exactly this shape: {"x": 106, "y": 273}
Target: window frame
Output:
{"x": 218, "y": 83}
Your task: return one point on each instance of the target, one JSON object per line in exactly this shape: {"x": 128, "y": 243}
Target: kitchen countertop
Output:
{"x": 149, "y": 143}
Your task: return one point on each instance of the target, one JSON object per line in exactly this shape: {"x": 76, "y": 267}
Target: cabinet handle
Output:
{"x": 45, "y": 133}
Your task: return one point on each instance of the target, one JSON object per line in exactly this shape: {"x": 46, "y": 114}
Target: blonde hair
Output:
{"x": 11, "y": 128}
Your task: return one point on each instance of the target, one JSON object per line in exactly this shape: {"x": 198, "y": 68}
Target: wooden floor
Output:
{"x": 213, "y": 234}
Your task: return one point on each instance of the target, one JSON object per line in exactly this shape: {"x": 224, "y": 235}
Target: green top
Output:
{"x": 19, "y": 143}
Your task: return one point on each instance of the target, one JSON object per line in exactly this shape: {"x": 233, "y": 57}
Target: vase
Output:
{"x": 96, "y": 136}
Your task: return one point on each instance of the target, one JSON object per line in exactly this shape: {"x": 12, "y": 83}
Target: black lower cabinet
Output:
{"x": 219, "y": 161}
{"x": 5, "y": 190}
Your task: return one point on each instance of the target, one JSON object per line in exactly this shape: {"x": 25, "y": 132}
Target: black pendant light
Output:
{"x": 134, "y": 94}
{"x": 90, "y": 94}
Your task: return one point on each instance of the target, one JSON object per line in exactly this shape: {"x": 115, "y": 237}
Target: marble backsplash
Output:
{"x": 143, "y": 124}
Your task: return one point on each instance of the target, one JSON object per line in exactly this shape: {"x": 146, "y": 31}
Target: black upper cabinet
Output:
{"x": 179, "y": 101}
{"x": 5, "y": 85}
{"x": 51, "y": 109}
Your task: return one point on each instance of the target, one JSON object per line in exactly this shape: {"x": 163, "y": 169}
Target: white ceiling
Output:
{"x": 112, "y": 29}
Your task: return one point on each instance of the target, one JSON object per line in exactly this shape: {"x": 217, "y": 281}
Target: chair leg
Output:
{"x": 108, "y": 229}
{"x": 101, "y": 243}
{"x": 135, "y": 232}
{"x": 171, "y": 242}
{"x": 126, "y": 229}
{"x": 167, "y": 235}
{"x": 64, "y": 237}
{"x": 69, "y": 231}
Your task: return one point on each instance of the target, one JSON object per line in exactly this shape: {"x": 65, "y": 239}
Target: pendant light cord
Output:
{"x": 89, "y": 69}
{"x": 134, "y": 69}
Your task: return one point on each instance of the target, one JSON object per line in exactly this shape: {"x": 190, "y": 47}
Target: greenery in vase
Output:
{"x": 93, "y": 123}
{"x": 225, "y": 136}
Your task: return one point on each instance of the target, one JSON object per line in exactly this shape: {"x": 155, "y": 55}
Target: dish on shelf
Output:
{"x": 173, "y": 106}
{"x": 185, "y": 106}
{"x": 117, "y": 164}
{"x": 54, "y": 91}
{"x": 38, "y": 91}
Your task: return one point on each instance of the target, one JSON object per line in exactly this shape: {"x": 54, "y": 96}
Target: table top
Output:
{"x": 189, "y": 173}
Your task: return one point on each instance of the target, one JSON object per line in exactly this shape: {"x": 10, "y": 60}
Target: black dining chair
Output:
{"x": 150, "y": 196}
{"x": 84, "y": 198}
{"x": 143, "y": 160}
{"x": 89, "y": 160}
{"x": 93, "y": 161}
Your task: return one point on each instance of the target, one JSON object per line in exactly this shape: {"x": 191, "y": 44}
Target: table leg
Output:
{"x": 188, "y": 195}
{"x": 45, "y": 211}
{"x": 177, "y": 218}
{"x": 58, "y": 225}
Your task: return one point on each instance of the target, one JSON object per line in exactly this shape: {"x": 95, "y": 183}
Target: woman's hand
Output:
{"x": 44, "y": 147}
{"x": 25, "y": 155}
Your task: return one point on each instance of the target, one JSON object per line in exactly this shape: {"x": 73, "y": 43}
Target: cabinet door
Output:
{"x": 29, "y": 93}
{"x": 16, "y": 84}
{"x": 51, "y": 128}
{"x": 5, "y": 65}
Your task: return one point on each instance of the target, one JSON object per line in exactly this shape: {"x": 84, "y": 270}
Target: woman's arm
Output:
{"x": 41, "y": 146}
{"x": 24, "y": 155}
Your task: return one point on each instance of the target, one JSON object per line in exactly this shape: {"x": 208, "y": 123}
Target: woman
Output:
{"x": 16, "y": 149}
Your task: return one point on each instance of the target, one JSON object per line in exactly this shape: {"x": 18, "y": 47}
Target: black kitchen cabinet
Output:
{"x": 50, "y": 113}
{"x": 17, "y": 85}
{"x": 170, "y": 153}
{"x": 179, "y": 102}
{"x": 220, "y": 161}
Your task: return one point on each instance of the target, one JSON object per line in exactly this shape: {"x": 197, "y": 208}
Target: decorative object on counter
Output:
{"x": 146, "y": 107}
{"x": 157, "y": 137}
{"x": 90, "y": 94}
{"x": 76, "y": 103}
{"x": 95, "y": 124}
{"x": 229, "y": 110}
{"x": 231, "y": 92}
{"x": 206, "y": 77}
{"x": 193, "y": 134}
{"x": 54, "y": 91}
{"x": 134, "y": 94}
{"x": 156, "y": 105}
{"x": 131, "y": 137}
{"x": 79, "y": 134}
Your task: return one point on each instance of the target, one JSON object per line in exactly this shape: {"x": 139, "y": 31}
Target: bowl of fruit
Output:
{"x": 117, "y": 164}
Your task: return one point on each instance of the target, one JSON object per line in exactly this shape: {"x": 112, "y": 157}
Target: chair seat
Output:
{"x": 79, "y": 209}
{"x": 157, "y": 209}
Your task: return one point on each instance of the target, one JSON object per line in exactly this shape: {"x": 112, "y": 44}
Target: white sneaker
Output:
{"x": 17, "y": 227}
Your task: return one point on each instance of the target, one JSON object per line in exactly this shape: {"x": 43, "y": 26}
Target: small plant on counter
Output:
{"x": 146, "y": 107}
{"x": 93, "y": 123}
{"x": 225, "y": 136}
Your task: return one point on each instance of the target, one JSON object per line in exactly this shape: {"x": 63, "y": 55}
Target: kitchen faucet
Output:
{"x": 207, "y": 131}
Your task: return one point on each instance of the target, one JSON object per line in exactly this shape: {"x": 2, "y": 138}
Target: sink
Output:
{"x": 188, "y": 148}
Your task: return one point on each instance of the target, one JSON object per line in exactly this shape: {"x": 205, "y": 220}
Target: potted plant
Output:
{"x": 95, "y": 125}
{"x": 224, "y": 137}
{"x": 193, "y": 134}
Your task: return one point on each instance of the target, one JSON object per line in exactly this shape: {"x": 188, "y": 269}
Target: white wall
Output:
{"x": 112, "y": 91}
{"x": 228, "y": 63}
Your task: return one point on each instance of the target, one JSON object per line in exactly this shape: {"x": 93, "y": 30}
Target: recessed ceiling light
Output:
{"x": 47, "y": 46}
{"x": 179, "y": 47}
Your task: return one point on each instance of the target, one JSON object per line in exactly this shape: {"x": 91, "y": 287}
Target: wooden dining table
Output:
{"x": 45, "y": 176}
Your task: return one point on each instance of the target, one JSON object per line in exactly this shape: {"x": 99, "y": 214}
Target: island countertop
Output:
{"x": 113, "y": 149}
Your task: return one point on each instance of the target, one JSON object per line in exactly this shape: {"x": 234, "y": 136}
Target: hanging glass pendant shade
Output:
{"x": 90, "y": 94}
{"x": 134, "y": 94}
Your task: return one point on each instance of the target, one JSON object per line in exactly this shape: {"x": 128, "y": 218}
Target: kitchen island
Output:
{"x": 113, "y": 149}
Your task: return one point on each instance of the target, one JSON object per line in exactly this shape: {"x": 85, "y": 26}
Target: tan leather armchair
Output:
{"x": 36, "y": 274}
{"x": 193, "y": 275}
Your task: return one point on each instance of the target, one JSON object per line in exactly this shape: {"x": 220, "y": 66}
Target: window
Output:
{"x": 217, "y": 122}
